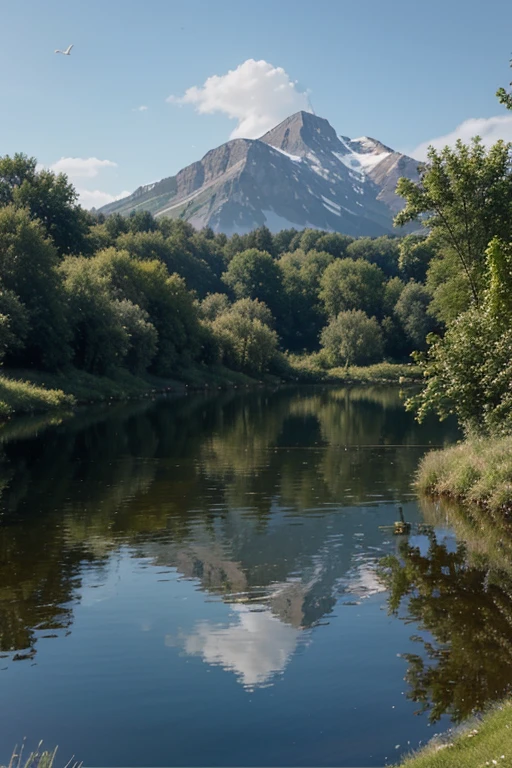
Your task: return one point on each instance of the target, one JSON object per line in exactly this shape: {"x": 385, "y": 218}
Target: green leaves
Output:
{"x": 464, "y": 197}
{"x": 352, "y": 338}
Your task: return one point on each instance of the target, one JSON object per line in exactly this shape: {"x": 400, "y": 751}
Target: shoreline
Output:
{"x": 25, "y": 392}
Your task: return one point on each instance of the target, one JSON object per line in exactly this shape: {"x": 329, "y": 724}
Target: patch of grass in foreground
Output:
{"x": 485, "y": 742}
{"x": 477, "y": 471}
{"x": 39, "y": 758}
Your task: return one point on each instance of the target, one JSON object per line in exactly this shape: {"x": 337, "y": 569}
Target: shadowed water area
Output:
{"x": 199, "y": 581}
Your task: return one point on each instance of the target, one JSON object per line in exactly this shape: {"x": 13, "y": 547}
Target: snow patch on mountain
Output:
{"x": 361, "y": 162}
{"x": 295, "y": 158}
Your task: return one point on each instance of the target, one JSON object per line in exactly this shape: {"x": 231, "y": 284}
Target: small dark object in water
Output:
{"x": 23, "y": 656}
{"x": 400, "y": 527}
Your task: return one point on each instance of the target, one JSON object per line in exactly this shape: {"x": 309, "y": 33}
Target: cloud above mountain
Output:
{"x": 95, "y": 198}
{"x": 81, "y": 167}
{"x": 77, "y": 169}
{"x": 489, "y": 128}
{"x": 256, "y": 94}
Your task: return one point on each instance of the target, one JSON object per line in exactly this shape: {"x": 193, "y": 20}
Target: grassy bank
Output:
{"x": 477, "y": 471}
{"x": 23, "y": 391}
{"x": 485, "y": 742}
{"x": 310, "y": 369}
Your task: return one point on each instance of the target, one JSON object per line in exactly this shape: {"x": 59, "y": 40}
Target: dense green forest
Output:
{"x": 154, "y": 294}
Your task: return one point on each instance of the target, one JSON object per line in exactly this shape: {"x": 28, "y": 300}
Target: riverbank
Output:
{"x": 483, "y": 742}
{"x": 309, "y": 369}
{"x": 24, "y": 392}
{"x": 477, "y": 471}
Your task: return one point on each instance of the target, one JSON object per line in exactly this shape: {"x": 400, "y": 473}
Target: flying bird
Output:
{"x": 66, "y": 52}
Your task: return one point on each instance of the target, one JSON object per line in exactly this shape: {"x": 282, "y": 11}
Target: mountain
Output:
{"x": 300, "y": 174}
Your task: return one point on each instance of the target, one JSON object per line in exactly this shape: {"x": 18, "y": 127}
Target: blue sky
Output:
{"x": 402, "y": 71}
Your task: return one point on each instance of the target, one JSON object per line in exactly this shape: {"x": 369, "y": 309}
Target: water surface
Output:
{"x": 194, "y": 581}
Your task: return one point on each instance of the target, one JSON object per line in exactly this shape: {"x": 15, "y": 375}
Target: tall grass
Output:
{"x": 39, "y": 758}
{"x": 478, "y": 471}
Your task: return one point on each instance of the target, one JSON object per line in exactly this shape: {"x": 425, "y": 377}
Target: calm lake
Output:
{"x": 194, "y": 581}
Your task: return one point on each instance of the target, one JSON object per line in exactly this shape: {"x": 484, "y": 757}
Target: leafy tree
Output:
{"x": 382, "y": 251}
{"x": 166, "y": 300}
{"x": 246, "y": 343}
{"x": 392, "y": 291}
{"x": 176, "y": 255}
{"x": 412, "y": 311}
{"x": 100, "y": 342}
{"x": 213, "y": 305}
{"x": 283, "y": 239}
{"x": 28, "y": 262}
{"x": 416, "y": 253}
{"x": 142, "y": 221}
{"x": 468, "y": 373}
{"x": 352, "y": 338}
{"x": 308, "y": 239}
{"x": 253, "y": 309}
{"x": 261, "y": 239}
{"x": 348, "y": 284}
{"x": 449, "y": 288}
{"x": 142, "y": 336}
{"x": 14, "y": 323}
{"x": 469, "y": 370}
{"x": 48, "y": 197}
{"x": 254, "y": 274}
{"x": 499, "y": 294}
{"x": 464, "y": 197}
{"x": 396, "y": 344}
{"x": 303, "y": 314}
{"x": 334, "y": 243}
{"x": 116, "y": 225}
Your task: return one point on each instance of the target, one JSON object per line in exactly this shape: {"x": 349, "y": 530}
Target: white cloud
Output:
{"x": 96, "y": 198}
{"x": 142, "y": 108}
{"x": 256, "y": 93}
{"x": 81, "y": 167}
{"x": 489, "y": 128}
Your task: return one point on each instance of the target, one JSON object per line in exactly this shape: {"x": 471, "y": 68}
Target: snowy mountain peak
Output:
{"x": 299, "y": 174}
{"x": 365, "y": 144}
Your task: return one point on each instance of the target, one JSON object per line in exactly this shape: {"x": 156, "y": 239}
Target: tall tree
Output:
{"x": 464, "y": 197}
{"x": 352, "y": 338}
{"x": 348, "y": 284}
{"x": 28, "y": 261}
{"x": 49, "y": 197}
{"x": 254, "y": 274}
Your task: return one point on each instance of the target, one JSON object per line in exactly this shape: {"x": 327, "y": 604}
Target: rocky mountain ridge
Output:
{"x": 299, "y": 174}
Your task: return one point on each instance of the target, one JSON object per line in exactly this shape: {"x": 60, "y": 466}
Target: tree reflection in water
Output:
{"x": 464, "y": 610}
